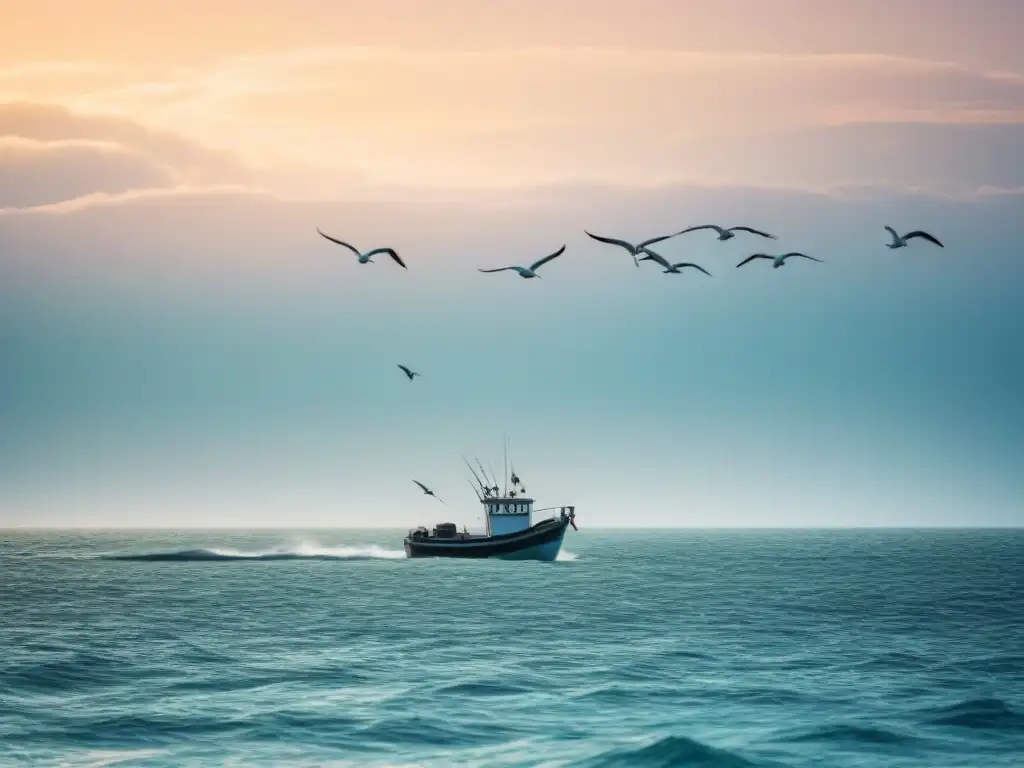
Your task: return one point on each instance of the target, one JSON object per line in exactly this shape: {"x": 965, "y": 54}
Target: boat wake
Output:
{"x": 293, "y": 552}
{"x": 301, "y": 552}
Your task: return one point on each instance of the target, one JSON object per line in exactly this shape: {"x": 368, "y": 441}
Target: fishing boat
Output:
{"x": 511, "y": 533}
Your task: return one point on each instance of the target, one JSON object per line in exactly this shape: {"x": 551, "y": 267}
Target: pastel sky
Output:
{"x": 179, "y": 347}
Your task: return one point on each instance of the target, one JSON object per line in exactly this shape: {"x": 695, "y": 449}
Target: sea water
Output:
{"x": 656, "y": 648}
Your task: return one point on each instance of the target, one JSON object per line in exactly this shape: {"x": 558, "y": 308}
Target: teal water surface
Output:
{"x": 658, "y": 648}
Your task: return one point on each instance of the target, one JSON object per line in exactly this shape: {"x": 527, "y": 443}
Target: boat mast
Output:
{"x": 505, "y": 477}
{"x": 483, "y": 488}
{"x": 490, "y": 482}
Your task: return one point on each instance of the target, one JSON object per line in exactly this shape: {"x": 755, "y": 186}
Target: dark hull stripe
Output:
{"x": 490, "y": 547}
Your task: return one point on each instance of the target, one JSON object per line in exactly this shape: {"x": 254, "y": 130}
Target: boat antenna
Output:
{"x": 482, "y": 486}
{"x": 482, "y": 472}
{"x": 513, "y": 478}
{"x": 505, "y": 477}
{"x": 494, "y": 475}
{"x": 478, "y": 496}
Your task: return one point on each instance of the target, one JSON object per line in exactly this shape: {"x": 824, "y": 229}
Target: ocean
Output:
{"x": 718, "y": 649}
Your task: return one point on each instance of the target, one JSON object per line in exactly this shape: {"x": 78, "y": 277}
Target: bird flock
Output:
{"x": 639, "y": 252}
{"x": 635, "y": 250}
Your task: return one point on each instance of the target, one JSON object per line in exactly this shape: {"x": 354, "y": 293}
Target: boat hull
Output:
{"x": 540, "y": 542}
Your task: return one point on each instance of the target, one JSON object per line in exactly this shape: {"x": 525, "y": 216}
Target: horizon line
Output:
{"x": 951, "y": 527}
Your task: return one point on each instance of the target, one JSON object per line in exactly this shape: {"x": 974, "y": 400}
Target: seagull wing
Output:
{"x": 753, "y": 231}
{"x": 755, "y": 256}
{"x": 340, "y": 242}
{"x": 390, "y": 252}
{"x": 924, "y": 236}
{"x": 406, "y": 370}
{"x": 653, "y": 240}
{"x": 715, "y": 227}
{"x": 688, "y": 264}
{"x": 802, "y": 255}
{"x": 499, "y": 269}
{"x": 421, "y": 485}
{"x": 612, "y": 241}
{"x": 538, "y": 264}
{"x": 895, "y": 235}
{"x": 656, "y": 257}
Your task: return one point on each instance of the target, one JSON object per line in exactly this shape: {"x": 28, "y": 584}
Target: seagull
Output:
{"x": 530, "y": 271}
{"x": 634, "y": 250}
{"x": 901, "y": 242}
{"x": 671, "y": 269}
{"x": 778, "y": 261}
{"x": 365, "y": 258}
{"x": 727, "y": 234}
{"x": 426, "y": 490}
{"x": 409, "y": 373}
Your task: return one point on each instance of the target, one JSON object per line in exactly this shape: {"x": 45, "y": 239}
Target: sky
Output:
{"x": 179, "y": 348}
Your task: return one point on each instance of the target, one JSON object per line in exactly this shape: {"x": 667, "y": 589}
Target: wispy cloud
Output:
{"x": 38, "y": 68}
{"x": 106, "y": 199}
{"x": 505, "y": 115}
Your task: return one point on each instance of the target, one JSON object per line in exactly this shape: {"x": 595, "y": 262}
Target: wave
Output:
{"x": 980, "y": 714}
{"x": 102, "y": 758}
{"x": 483, "y": 689}
{"x": 669, "y": 751}
{"x": 852, "y": 734}
{"x": 300, "y": 552}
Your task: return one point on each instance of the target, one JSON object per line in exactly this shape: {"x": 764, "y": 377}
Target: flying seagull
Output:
{"x": 728, "y": 234}
{"x": 634, "y": 250}
{"x": 530, "y": 271}
{"x": 672, "y": 269}
{"x": 426, "y": 490}
{"x": 778, "y": 261}
{"x": 409, "y": 373}
{"x": 901, "y": 242}
{"x": 365, "y": 258}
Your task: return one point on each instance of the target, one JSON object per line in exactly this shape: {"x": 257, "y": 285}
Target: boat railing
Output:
{"x": 550, "y": 509}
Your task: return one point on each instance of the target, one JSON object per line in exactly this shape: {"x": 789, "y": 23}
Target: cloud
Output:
{"x": 142, "y": 192}
{"x": 54, "y": 158}
{"x": 528, "y": 115}
{"x": 339, "y": 122}
{"x": 571, "y": 85}
{"x": 547, "y": 196}
{"x": 949, "y": 159}
{"x": 33, "y": 174}
{"x": 190, "y": 160}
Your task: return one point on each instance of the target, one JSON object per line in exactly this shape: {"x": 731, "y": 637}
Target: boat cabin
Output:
{"x": 507, "y": 514}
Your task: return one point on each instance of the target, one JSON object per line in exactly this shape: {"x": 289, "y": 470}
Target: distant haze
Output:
{"x": 178, "y": 347}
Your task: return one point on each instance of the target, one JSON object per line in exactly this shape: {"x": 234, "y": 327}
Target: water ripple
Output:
{"x": 756, "y": 649}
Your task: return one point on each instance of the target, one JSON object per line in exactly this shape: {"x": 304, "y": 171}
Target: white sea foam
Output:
{"x": 299, "y": 551}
